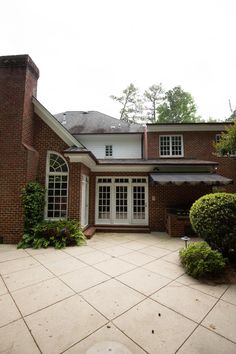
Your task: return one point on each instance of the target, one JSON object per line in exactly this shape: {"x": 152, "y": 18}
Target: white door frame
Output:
{"x": 132, "y": 181}
{"x": 84, "y": 210}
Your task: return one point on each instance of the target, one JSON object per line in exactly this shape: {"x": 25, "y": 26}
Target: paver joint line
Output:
{"x": 112, "y": 269}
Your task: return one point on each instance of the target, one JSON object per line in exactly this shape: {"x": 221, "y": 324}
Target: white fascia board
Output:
{"x": 196, "y": 127}
{"x": 86, "y": 159}
{"x": 53, "y": 123}
{"x": 123, "y": 168}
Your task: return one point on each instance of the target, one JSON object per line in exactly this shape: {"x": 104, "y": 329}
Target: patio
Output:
{"x": 122, "y": 293}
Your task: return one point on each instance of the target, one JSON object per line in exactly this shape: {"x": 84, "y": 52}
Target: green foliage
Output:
{"x": 153, "y": 96}
{"x": 227, "y": 143}
{"x": 59, "y": 234}
{"x": 213, "y": 217}
{"x": 131, "y": 104}
{"x": 157, "y": 106}
{"x": 200, "y": 260}
{"x": 33, "y": 198}
{"x": 178, "y": 107}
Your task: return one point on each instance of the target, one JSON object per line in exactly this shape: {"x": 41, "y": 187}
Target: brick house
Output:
{"x": 104, "y": 172}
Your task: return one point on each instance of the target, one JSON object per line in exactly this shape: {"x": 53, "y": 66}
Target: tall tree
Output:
{"x": 131, "y": 104}
{"x": 153, "y": 96}
{"x": 178, "y": 107}
{"x": 227, "y": 143}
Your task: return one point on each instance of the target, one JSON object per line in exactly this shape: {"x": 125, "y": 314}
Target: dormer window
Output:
{"x": 171, "y": 146}
{"x": 108, "y": 151}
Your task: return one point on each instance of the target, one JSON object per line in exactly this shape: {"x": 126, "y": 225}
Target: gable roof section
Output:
{"x": 54, "y": 124}
{"x": 93, "y": 122}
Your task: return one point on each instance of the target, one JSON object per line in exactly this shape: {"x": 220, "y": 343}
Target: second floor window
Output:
{"x": 171, "y": 146}
{"x": 108, "y": 151}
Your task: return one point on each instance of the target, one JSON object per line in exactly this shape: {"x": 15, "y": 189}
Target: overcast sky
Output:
{"x": 87, "y": 50}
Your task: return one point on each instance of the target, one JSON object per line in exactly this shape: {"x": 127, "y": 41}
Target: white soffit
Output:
{"x": 53, "y": 123}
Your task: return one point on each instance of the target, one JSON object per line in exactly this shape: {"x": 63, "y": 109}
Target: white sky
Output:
{"x": 87, "y": 50}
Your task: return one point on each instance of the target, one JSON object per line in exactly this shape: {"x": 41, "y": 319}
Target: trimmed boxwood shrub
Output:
{"x": 213, "y": 217}
{"x": 59, "y": 234}
{"x": 200, "y": 260}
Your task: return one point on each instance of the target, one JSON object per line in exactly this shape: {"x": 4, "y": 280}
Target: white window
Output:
{"x": 217, "y": 138}
{"x": 171, "y": 146}
{"x": 57, "y": 186}
{"x": 108, "y": 150}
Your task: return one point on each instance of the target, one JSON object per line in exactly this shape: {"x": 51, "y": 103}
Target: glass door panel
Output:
{"x": 104, "y": 203}
{"x": 139, "y": 204}
{"x": 121, "y": 204}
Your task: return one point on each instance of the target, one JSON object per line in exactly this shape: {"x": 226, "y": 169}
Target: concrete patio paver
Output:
{"x": 93, "y": 257}
{"x": 17, "y": 264}
{"x": 26, "y": 277}
{"x": 3, "y": 289}
{"x": 63, "y": 324}
{"x": 222, "y": 320}
{"x": 112, "y": 298}
{"x": 230, "y": 295}
{"x": 154, "y": 327}
{"x": 108, "y": 339}
{"x": 15, "y": 338}
{"x": 203, "y": 341}
{"x": 122, "y": 293}
{"x": 114, "y": 267}
{"x": 189, "y": 302}
{"x": 137, "y": 258}
{"x": 83, "y": 279}
{"x": 41, "y": 295}
{"x": 8, "y": 310}
{"x": 167, "y": 269}
{"x": 144, "y": 281}
{"x": 216, "y": 290}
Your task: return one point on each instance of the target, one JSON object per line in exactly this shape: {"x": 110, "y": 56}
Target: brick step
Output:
{"x": 111, "y": 228}
{"x": 89, "y": 232}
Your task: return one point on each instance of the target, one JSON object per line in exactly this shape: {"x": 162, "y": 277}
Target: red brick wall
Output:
{"x": 18, "y": 81}
{"x": 198, "y": 145}
{"x": 46, "y": 140}
{"x": 161, "y": 197}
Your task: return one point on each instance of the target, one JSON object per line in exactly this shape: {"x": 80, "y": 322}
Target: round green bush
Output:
{"x": 200, "y": 260}
{"x": 213, "y": 217}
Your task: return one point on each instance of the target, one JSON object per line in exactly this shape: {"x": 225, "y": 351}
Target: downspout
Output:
{"x": 145, "y": 143}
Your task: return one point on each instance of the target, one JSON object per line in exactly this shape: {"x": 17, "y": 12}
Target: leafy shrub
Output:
{"x": 200, "y": 260}
{"x": 59, "y": 234}
{"x": 213, "y": 217}
{"x": 33, "y": 197}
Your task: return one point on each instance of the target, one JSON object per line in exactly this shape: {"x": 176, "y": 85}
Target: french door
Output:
{"x": 122, "y": 200}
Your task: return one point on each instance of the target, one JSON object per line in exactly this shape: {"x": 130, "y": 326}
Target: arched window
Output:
{"x": 57, "y": 186}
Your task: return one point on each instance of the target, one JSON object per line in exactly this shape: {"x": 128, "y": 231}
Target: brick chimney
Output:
{"x": 18, "y": 158}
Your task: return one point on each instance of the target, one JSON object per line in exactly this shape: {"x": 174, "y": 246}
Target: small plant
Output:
{"x": 200, "y": 260}
{"x": 33, "y": 197}
{"x": 59, "y": 234}
{"x": 213, "y": 218}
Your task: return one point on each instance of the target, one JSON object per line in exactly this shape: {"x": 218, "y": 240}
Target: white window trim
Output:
{"x": 110, "y": 150}
{"x": 48, "y": 173}
{"x": 171, "y": 156}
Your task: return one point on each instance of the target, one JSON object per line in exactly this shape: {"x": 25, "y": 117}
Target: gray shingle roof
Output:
{"x": 93, "y": 122}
